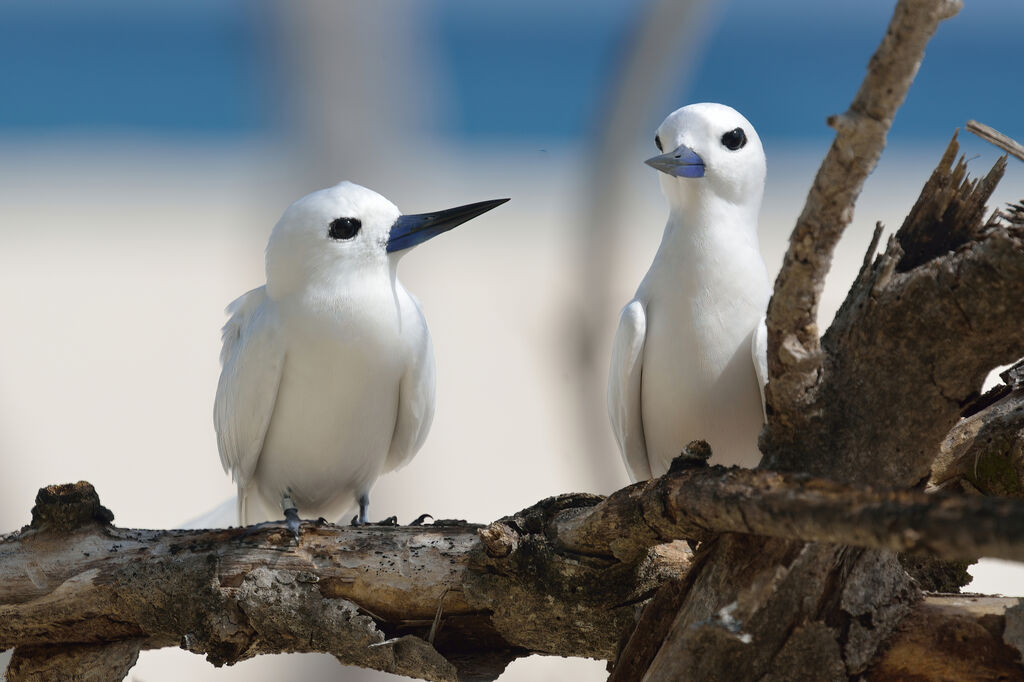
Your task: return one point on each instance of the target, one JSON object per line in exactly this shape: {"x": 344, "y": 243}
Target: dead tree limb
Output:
{"x": 562, "y": 577}
{"x": 993, "y": 136}
{"x": 794, "y": 357}
{"x": 700, "y": 503}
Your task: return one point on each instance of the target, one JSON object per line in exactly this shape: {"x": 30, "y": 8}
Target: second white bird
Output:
{"x": 328, "y": 370}
{"x": 688, "y": 360}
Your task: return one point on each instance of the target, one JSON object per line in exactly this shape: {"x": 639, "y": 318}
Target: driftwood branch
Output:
{"x": 993, "y": 136}
{"x": 794, "y": 357}
{"x": 912, "y": 344}
{"x": 562, "y": 577}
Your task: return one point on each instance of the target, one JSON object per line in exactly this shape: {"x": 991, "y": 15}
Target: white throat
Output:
{"x": 708, "y": 238}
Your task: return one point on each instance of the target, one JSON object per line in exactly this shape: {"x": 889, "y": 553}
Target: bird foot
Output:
{"x": 291, "y": 521}
{"x": 420, "y": 519}
{"x": 389, "y": 521}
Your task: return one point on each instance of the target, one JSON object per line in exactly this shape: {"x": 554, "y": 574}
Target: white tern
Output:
{"x": 689, "y": 357}
{"x": 327, "y": 376}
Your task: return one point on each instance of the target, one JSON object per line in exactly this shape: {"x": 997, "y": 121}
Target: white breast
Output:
{"x": 698, "y": 378}
{"x": 337, "y": 403}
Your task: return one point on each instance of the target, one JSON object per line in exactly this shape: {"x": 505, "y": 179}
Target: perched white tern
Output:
{"x": 688, "y": 360}
{"x": 328, "y": 369}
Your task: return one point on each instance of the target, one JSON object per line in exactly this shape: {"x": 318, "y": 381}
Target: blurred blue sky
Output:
{"x": 531, "y": 69}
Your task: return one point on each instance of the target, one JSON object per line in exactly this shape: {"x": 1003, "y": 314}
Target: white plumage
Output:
{"x": 328, "y": 370}
{"x": 688, "y": 360}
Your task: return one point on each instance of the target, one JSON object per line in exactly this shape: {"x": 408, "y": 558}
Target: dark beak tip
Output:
{"x": 489, "y": 205}
{"x": 413, "y": 229}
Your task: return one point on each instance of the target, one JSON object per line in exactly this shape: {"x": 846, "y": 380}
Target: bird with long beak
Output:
{"x": 327, "y": 376}
{"x": 688, "y": 360}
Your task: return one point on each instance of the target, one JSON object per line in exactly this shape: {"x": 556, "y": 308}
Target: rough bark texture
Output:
{"x": 949, "y": 213}
{"x": 899, "y": 340}
{"x": 367, "y": 595}
{"x": 563, "y": 577}
{"x": 984, "y": 452}
{"x": 794, "y": 355}
{"x": 699, "y": 503}
{"x": 950, "y": 638}
{"x": 74, "y": 663}
{"x": 79, "y": 598}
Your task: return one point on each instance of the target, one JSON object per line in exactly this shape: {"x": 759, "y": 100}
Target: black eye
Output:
{"x": 344, "y": 228}
{"x": 657, "y": 143}
{"x": 734, "y": 139}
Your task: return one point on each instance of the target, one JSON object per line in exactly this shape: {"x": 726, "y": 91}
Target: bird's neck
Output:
{"x": 711, "y": 232}
{"x": 327, "y": 281}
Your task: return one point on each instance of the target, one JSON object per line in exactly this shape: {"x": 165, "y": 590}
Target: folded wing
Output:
{"x": 252, "y": 358}
{"x": 624, "y": 382}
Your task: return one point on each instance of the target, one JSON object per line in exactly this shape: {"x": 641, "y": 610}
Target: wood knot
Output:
{"x": 69, "y": 506}
{"x": 499, "y": 540}
{"x": 795, "y": 355}
{"x": 694, "y": 456}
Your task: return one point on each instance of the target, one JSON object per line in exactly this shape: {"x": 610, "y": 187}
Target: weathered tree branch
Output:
{"x": 993, "y": 136}
{"x": 560, "y": 577}
{"x": 794, "y": 356}
{"x": 901, "y": 337}
{"x": 943, "y": 637}
{"x": 698, "y": 504}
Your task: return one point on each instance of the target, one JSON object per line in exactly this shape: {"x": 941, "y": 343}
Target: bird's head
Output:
{"x": 348, "y": 227}
{"x": 709, "y": 147}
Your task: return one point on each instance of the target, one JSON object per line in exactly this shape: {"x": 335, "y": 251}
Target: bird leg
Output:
{"x": 363, "y": 518}
{"x": 292, "y": 520}
{"x": 291, "y": 515}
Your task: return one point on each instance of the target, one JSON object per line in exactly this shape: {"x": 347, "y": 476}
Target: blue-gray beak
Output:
{"x": 410, "y": 230}
{"x": 681, "y": 162}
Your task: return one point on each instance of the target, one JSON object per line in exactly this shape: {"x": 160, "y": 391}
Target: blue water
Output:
{"x": 785, "y": 64}
{"x": 530, "y": 69}
{"x": 132, "y": 67}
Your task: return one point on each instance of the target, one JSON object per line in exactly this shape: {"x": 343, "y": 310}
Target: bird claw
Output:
{"x": 389, "y": 521}
{"x": 420, "y": 519}
{"x": 292, "y": 522}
